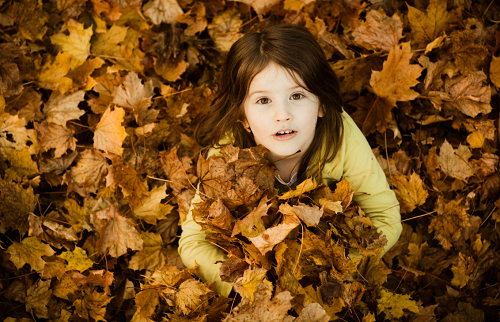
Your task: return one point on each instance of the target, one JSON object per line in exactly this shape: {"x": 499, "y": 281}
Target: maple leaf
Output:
{"x": 109, "y": 132}
{"x": 100, "y": 278}
{"x": 92, "y": 305}
{"x": 194, "y": 18}
{"x": 224, "y": 29}
{"x": 219, "y": 215}
{"x": 150, "y": 257}
{"x": 62, "y": 108}
{"x": 354, "y": 74}
{"x": 397, "y": 76}
{"x": 395, "y": 304}
{"x": 30, "y": 18}
{"x": 373, "y": 113}
{"x": 410, "y": 191}
{"x": 295, "y": 5}
{"x": 21, "y": 165}
{"x": 466, "y": 53}
{"x": 305, "y": 186}
{"x": 17, "y": 203}
{"x": 310, "y": 215}
{"x": 313, "y": 312}
{"x": 246, "y": 286}
{"x": 262, "y": 308}
{"x": 65, "y": 287}
{"x": 427, "y": 26}
{"x": 107, "y": 43}
{"x": 88, "y": 173}
{"x": 455, "y": 162}
{"x": 77, "y": 44}
{"x": 58, "y": 137}
{"x": 162, "y": 11}
{"x": 133, "y": 187}
{"x": 171, "y": 71}
{"x": 117, "y": 233}
{"x": 77, "y": 259}
{"x": 179, "y": 171}
{"x": 13, "y": 132}
{"x": 81, "y": 75}
{"x": 260, "y": 6}
{"x": 150, "y": 209}
{"x": 133, "y": 92}
{"x": 379, "y": 31}
{"x": 30, "y": 250}
{"x": 146, "y": 301}
{"x": 52, "y": 75}
{"x": 10, "y": 76}
{"x": 470, "y": 94}
{"x": 450, "y": 222}
{"x": 274, "y": 235}
{"x": 38, "y": 297}
{"x": 190, "y": 295}
{"x": 462, "y": 270}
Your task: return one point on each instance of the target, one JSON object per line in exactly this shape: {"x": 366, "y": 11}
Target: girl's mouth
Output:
{"x": 285, "y": 134}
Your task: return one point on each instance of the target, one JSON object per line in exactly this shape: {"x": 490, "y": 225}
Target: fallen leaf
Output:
{"x": 274, "y": 235}
{"x": 449, "y": 223}
{"x": 30, "y": 250}
{"x": 108, "y": 43}
{"x": 246, "y": 286}
{"x": 52, "y": 75}
{"x": 495, "y": 71}
{"x": 77, "y": 259}
{"x": 13, "y": 132}
{"x": 92, "y": 305}
{"x": 21, "y": 165}
{"x": 373, "y": 113}
{"x": 30, "y": 18}
{"x": 58, "y": 137}
{"x": 427, "y": 26}
{"x": 63, "y": 108}
{"x": 310, "y": 215}
{"x": 117, "y": 233}
{"x": 455, "y": 162}
{"x": 195, "y": 19}
{"x": 397, "y": 76}
{"x": 146, "y": 302}
{"x": 87, "y": 176}
{"x": 77, "y": 44}
{"x": 379, "y": 31}
{"x": 171, "y": 71}
{"x": 305, "y": 186}
{"x": 150, "y": 257}
{"x": 162, "y": 11}
{"x": 190, "y": 295}
{"x": 133, "y": 186}
{"x": 38, "y": 297}
{"x": 260, "y": 6}
{"x": 110, "y": 133}
{"x": 462, "y": 270}
{"x": 410, "y": 190}
{"x": 150, "y": 209}
{"x": 17, "y": 203}
{"x": 395, "y": 304}
{"x": 224, "y": 29}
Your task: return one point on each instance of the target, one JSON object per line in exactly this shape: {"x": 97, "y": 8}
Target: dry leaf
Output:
{"x": 455, "y": 162}
{"x": 110, "y": 133}
{"x": 162, "y": 11}
{"x": 77, "y": 44}
{"x": 379, "y": 31}
{"x": 30, "y": 250}
{"x": 410, "y": 190}
{"x": 427, "y": 26}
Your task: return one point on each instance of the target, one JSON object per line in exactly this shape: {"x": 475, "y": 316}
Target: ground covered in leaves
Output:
{"x": 98, "y": 165}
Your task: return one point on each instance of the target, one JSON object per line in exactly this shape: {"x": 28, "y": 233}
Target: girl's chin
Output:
{"x": 282, "y": 155}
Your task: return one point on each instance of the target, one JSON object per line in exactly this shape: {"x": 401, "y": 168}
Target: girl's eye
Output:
{"x": 263, "y": 100}
{"x": 297, "y": 96}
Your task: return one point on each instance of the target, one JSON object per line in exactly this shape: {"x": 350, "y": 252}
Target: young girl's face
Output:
{"x": 281, "y": 114}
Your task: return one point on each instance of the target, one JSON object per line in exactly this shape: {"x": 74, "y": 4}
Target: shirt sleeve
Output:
{"x": 372, "y": 192}
{"x": 194, "y": 250}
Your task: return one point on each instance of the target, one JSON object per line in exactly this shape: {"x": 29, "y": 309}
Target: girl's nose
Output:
{"x": 282, "y": 113}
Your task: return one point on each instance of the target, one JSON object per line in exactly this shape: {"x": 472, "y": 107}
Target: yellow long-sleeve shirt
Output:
{"x": 355, "y": 162}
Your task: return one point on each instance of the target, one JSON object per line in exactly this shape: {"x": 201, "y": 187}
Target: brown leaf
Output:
{"x": 190, "y": 295}
{"x": 92, "y": 305}
{"x": 110, "y": 133}
{"x": 150, "y": 257}
{"x": 38, "y": 297}
{"x": 17, "y": 203}
{"x": 379, "y": 31}
{"x": 455, "y": 162}
{"x": 132, "y": 184}
{"x": 30, "y": 250}
{"x": 162, "y": 11}
{"x": 150, "y": 209}
{"x": 195, "y": 19}
{"x": 30, "y": 18}
{"x": 310, "y": 215}
{"x": 427, "y": 26}
{"x": 450, "y": 222}
{"x": 372, "y": 114}
{"x": 54, "y": 136}
{"x": 87, "y": 176}
{"x": 179, "y": 171}
{"x": 274, "y": 235}
{"x": 117, "y": 233}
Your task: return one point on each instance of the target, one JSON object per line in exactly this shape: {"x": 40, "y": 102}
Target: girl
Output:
{"x": 278, "y": 90}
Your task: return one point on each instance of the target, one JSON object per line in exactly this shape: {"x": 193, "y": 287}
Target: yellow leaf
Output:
{"x": 52, "y": 75}
{"x": 162, "y": 11}
{"x": 224, "y": 29}
{"x": 379, "y": 31}
{"x": 475, "y": 140}
{"x": 495, "y": 71}
{"x": 448, "y": 224}
{"x": 129, "y": 57}
{"x": 397, "y": 76}
{"x": 78, "y": 217}
{"x": 133, "y": 92}
{"x": 305, "y": 186}
{"x": 30, "y": 251}
{"x": 171, "y": 72}
{"x": 21, "y": 165}
{"x": 110, "y": 133}
{"x": 332, "y": 206}
{"x": 427, "y": 26}
{"x": 77, "y": 44}
{"x": 190, "y": 295}
{"x": 77, "y": 259}
{"x": 132, "y": 184}
{"x": 296, "y": 5}
{"x": 274, "y": 235}
{"x": 107, "y": 43}
{"x": 62, "y": 108}
{"x": 410, "y": 191}
{"x": 65, "y": 287}
{"x": 247, "y": 286}
{"x": 150, "y": 209}
{"x": 462, "y": 270}
{"x": 395, "y": 304}
{"x": 150, "y": 257}
{"x": 310, "y": 215}
{"x": 195, "y": 19}
{"x": 117, "y": 233}
{"x": 38, "y": 297}
{"x": 146, "y": 302}
{"x": 260, "y": 6}
{"x": 55, "y": 136}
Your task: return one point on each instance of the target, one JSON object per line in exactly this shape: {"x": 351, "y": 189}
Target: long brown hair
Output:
{"x": 295, "y": 49}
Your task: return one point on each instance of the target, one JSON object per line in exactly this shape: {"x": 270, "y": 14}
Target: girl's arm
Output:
{"x": 356, "y": 163}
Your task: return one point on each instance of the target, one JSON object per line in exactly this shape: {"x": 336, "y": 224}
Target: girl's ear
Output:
{"x": 321, "y": 112}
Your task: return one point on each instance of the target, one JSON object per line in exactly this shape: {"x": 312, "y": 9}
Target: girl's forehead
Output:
{"x": 274, "y": 72}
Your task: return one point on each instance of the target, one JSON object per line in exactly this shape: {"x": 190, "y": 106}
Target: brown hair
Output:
{"x": 295, "y": 49}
